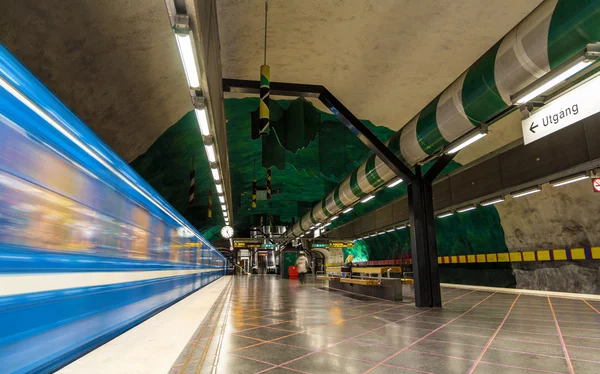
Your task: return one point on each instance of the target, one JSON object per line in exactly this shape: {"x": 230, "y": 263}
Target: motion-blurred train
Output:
{"x": 87, "y": 248}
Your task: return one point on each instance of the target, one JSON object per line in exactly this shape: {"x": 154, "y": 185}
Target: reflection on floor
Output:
{"x": 277, "y": 326}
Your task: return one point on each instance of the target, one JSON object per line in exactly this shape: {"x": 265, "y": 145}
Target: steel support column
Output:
{"x": 422, "y": 234}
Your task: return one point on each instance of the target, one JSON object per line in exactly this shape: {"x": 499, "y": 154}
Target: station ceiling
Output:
{"x": 115, "y": 63}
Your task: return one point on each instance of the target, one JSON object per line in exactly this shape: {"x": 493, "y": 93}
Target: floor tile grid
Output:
{"x": 431, "y": 333}
{"x": 487, "y": 346}
{"x": 364, "y": 333}
{"x": 339, "y": 323}
{"x": 562, "y": 341}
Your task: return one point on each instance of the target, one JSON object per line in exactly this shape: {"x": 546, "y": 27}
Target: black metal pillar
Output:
{"x": 422, "y": 235}
{"x": 422, "y": 241}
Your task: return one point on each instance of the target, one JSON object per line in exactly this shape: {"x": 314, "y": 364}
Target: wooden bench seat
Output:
{"x": 377, "y": 270}
{"x": 323, "y": 277}
{"x": 364, "y": 282}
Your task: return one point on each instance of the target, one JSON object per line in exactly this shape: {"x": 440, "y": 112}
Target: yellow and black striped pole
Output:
{"x": 268, "y": 184}
{"x": 265, "y": 91}
{"x": 254, "y": 193}
{"x": 209, "y": 203}
{"x": 192, "y": 188}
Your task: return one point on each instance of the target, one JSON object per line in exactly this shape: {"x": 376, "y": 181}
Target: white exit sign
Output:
{"x": 572, "y": 107}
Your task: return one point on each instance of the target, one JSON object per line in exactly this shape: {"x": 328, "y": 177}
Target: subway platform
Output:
{"x": 269, "y": 325}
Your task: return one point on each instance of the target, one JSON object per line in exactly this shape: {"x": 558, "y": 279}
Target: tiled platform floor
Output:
{"x": 276, "y": 326}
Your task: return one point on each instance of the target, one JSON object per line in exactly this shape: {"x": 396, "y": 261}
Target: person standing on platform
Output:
{"x": 302, "y": 265}
{"x": 262, "y": 265}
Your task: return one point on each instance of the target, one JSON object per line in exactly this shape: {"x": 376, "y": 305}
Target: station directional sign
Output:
{"x": 341, "y": 244}
{"x": 572, "y": 107}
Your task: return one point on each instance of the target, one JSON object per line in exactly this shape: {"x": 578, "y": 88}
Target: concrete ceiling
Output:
{"x": 114, "y": 63}
{"x": 385, "y": 59}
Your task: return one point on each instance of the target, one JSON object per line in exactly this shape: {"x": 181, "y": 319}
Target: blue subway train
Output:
{"x": 87, "y": 248}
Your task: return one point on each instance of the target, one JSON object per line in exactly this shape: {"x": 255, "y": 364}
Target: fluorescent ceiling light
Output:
{"x": 444, "y": 215}
{"x": 394, "y": 184}
{"x": 334, "y": 218}
{"x": 348, "y": 210}
{"x": 467, "y": 141}
{"x": 318, "y": 224}
{"x": 400, "y": 227}
{"x": 372, "y": 235}
{"x": 492, "y": 202}
{"x": 225, "y": 214}
{"x": 186, "y": 51}
{"x": 466, "y": 209}
{"x": 223, "y": 207}
{"x": 554, "y": 81}
{"x": 391, "y": 230}
{"x": 381, "y": 233}
{"x": 215, "y": 174}
{"x": 571, "y": 179}
{"x": 327, "y": 224}
{"x": 219, "y": 188}
{"x": 368, "y": 198}
{"x": 210, "y": 152}
{"x": 525, "y": 192}
{"x": 222, "y": 199}
{"x": 202, "y": 118}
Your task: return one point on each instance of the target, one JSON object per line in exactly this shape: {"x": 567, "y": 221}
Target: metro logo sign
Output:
{"x": 572, "y": 107}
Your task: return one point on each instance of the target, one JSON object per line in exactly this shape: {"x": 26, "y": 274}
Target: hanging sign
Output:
{"x": 247, "y": 243}
{"x": 340, "y": 244}
{"x": 572, "y": 107}
{"x": 596, "y": 184}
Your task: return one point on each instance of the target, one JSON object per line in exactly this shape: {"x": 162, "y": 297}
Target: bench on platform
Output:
{"x": 364, "y": 282}
{"x": 325, "y": 277}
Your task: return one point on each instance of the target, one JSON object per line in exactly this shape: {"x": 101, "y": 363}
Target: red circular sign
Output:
{"x": 596, "y": 184}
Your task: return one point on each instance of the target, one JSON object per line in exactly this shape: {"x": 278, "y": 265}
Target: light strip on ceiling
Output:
{"x": 334, "y": 218}
{"x": 493, "y": 201}
{"x": 202, "y": 117}
{"x": 215, "y": 174}
{"x": 444, "y": 215}
{"x": 525, "y": 192}
{"x": 537, "y": 91}
{"x": 219, "y": 188}
{"x": 348, "y": 210}
{"x": 568, "y": 180}
{"x": 394, "y": 184}
{"x": 466, "y": 141}
{"x": 368, "y": 198}
{"x": 466, "y": 209}
{"x": 210, "y": 153}
{"x": 222, "y": 199}
{"x": 186, "y": 51}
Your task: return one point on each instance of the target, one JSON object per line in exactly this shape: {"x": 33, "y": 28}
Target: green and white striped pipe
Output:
{"x": 554, "y": 32}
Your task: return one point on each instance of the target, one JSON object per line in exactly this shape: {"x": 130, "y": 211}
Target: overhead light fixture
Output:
{"x": 372, "y": 235}
{"x": 492, "y": 201}
{"x": 567, "y": 180}
{"x": 202, "y": 118}
{"x": 348, "y": 210}
{"x": 215, "y": 174}
{"x": 210, "y": 152}
{"x": 311, "y": 228}
{"x": 327, "y": 224}
{"x": 318, "y": 224}
{"x": 391, "y": 230}
{"x": 224, "y": 207}
{"x": 381, "y": 233}
{"x": 525, "y": 192}
{"x": 225, "y": 214}
{"x": 401, "y": 227}
{"x": 395, "y": 183}
{"x": 186, "y": 51}
{"x": 334, "y": 218}
{"x": 466, "y": 209}
{"x": 444, "y": 215}
{"x": 368, "y": 198}
{"x": 219, "y": 188}
{"x": 222, "y": 199}
{"x": 468, "y": 139}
